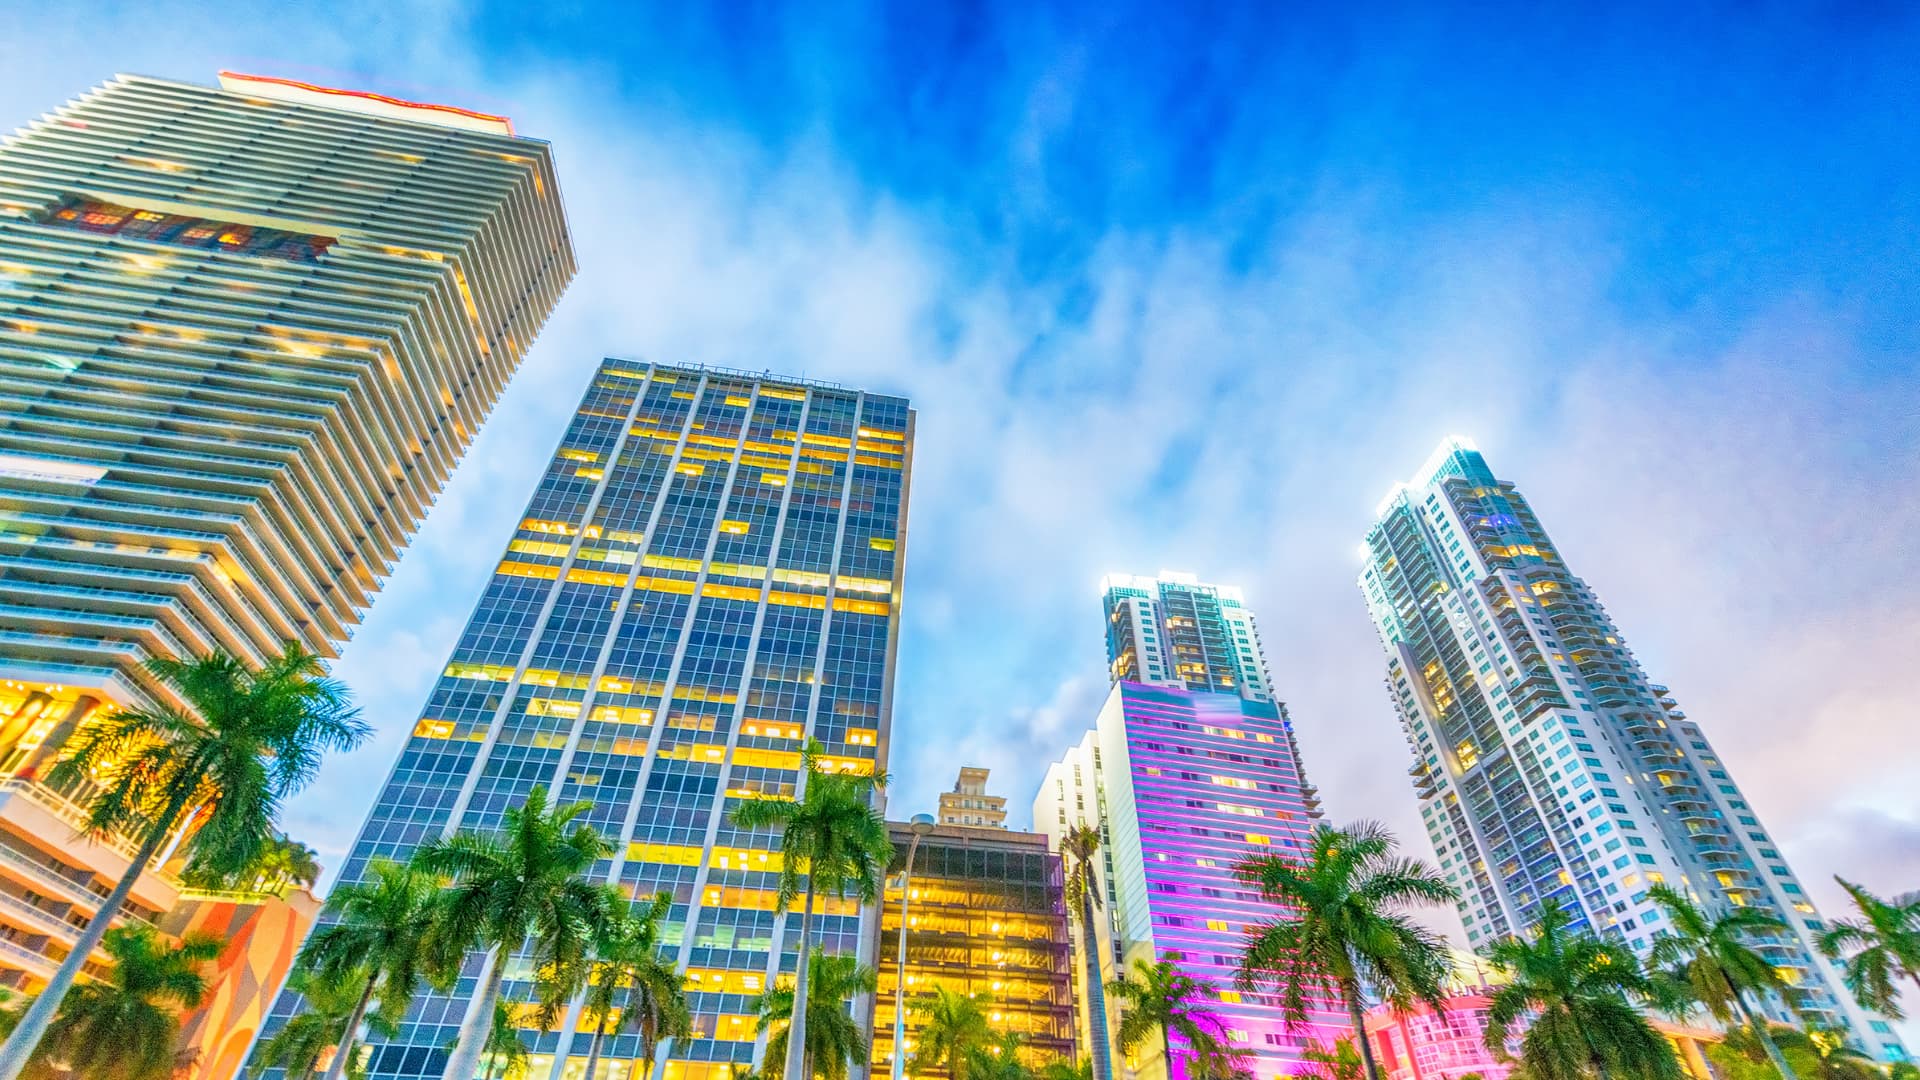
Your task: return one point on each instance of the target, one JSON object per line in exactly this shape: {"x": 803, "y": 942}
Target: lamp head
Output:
{"x": 921, "y": 824}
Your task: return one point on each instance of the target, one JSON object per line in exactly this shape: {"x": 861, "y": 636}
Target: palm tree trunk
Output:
{"x": 1166, "y": 1048}
{"x": 593, "y": 1048}
{"x": 1358, "y": 1018}
{"x": 33, "y": 1026}
{"x": 1759, "y": 1025}
{"x": 796, "y": 1062}
{"x": 473, "y": 1033}
{"x": 337, "y": 1068}
{"x": 1101, "y": 1052}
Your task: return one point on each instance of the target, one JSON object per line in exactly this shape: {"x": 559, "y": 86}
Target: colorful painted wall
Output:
{"x": 263, "y": 934}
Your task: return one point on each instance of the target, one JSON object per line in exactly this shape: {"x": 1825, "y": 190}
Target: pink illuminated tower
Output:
{"x": 1186, "y": 776}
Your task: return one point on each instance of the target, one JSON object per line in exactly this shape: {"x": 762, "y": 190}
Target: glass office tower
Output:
{"x": 1547, "y": 764}
{"x": 706, "y": 576}
{"x": 246, "y": 334}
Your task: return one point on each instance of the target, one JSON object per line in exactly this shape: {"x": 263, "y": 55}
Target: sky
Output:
{"x": 1189, "y": 287}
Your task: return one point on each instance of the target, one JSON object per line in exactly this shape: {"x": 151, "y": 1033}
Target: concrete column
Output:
{"x": 18, "y": 724}
{"x": 44, "y": 754}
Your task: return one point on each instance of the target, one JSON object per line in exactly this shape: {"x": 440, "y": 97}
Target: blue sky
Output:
{"x": 1190, "y": 287}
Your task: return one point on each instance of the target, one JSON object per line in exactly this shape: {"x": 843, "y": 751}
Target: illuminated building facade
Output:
{"x": 1547, "y": 764}
{"x": 1424, "y": 1044}
{"x": 705, "y": 577}
{"x": 987, "y": 918}
{"x": 245, "y": 335}
{"x": 970, "y": 804}
{"x": 1187, "y": 784}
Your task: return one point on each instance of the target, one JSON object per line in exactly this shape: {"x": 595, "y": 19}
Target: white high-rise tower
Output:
{"x": 1548, "y": 766}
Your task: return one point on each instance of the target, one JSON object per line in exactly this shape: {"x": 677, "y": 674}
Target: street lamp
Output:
{"x": 922, "y": 824}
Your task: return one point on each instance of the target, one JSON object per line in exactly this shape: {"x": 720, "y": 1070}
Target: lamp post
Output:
{"x": 922, "y": 824}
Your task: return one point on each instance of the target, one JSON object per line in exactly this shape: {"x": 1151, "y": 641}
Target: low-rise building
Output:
{"x": 1450, "y": 1044}
{"x": 985, "y": 917}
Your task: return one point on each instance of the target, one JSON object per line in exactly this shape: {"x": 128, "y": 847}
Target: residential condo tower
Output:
{"x": 246, "y": 333}
{"x": 1550, "y": 768}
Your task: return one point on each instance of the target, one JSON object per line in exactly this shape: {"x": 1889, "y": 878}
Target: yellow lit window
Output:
{"x": 880, "y": 543}
{"x": 433, "y": 729}
{"x": 688, "y": 468}
{"x": 1261, "y": 839}
{"x": 1231, "y": 997}
{"x": 668, "y": 854}
{"x": 734, "y": 528}
{"x": 539, "y": 547}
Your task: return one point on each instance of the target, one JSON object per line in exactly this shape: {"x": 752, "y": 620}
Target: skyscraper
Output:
{"x": 245, "y": 335}
{"x": 1548, "y": 765}
{"x": 705, "y": 577}
{"x": 1184, "y": 785}
{"x": 1191, "y": 767}
{"x": 1172, "y": 630}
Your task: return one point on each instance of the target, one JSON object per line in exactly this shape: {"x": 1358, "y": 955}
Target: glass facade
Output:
{"x": 1191, "y": 783}
{"x": 706, "y": 576}
{"x": 1548, "y": 765}
{"x": 987, "y": 918}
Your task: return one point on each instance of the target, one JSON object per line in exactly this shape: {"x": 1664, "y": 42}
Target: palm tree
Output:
{"x": 1063, "y": 1069}
{"x": 504, "y": 1053}
{"x": 125, "y": 1025}
{"x": 282, "y": 863}
{"x": 1078, "y": 849}
{"x": 1217, "y": 1060}
{"x": 1001, "y": 1057}
{"x": 833, "y": 831}
{"x": 626, "y": 959}
{"x": 1710, "y": 957}
{"x": 1572, "y": 992}
{"x": 375, "y": 938}
{"x": 323, "y": 1025}
{"x": 1876, "y": 949}
{"x": 249, "y": 739}
{"x": 1346, "y": 927}
{"x": 1337, "y": 1062}
{"x": 286, "y": 862}
{"x": 1158, "y": 996}
{"x": 834, "y": 1040}
{"x": 1817, "y": 1053}
{"x": 524, "y": 885}
{"x": 953, "y": 1027}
